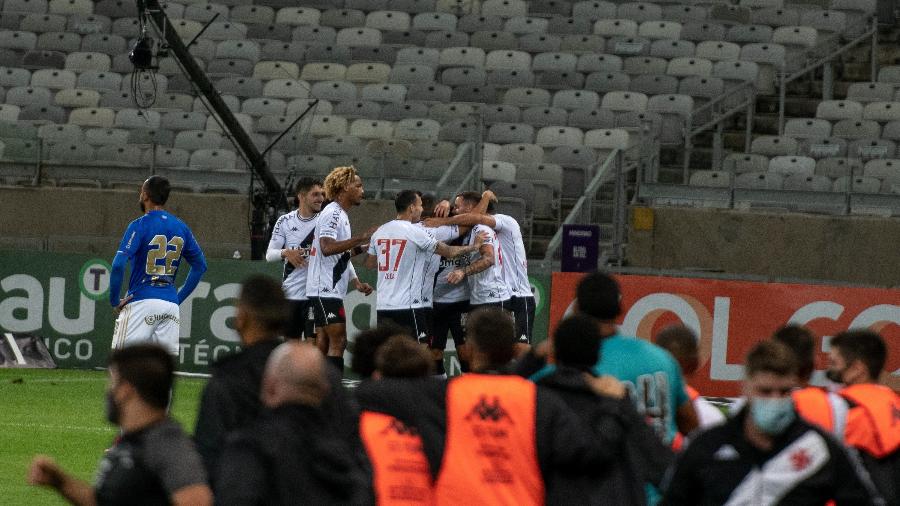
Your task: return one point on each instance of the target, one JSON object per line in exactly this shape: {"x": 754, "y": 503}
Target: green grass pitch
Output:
{"x": 60, "y": 413}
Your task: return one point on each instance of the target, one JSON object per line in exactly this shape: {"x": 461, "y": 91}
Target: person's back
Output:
{"x": 857, "y": 359}
{"x": 652, "y": 377}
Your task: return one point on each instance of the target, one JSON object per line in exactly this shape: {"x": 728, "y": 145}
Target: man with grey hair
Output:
{"x": 288, "y": 456}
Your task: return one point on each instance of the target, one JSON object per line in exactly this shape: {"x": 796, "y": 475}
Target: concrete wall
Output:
{"x": 92, "y": 221}
{"x": 780, "y": 245}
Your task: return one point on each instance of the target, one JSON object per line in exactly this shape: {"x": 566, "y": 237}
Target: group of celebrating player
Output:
{"x": 432, "y": 268}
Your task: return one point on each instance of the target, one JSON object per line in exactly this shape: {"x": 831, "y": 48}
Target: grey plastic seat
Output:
{"x": 275, "y": 32}
{"x": 882, "y": 111}
{"x": 527, "y": 97}
{"x": 520, "y": 25}
{"x": 664, "y": 48}
{"x": 418, "y": 55}
{"x": 891, "y": 131}
{"x": 461, "y": 130}
{"x": 702, "y": 87}
{"x": 397, "y": 111}
{"x": 434, "y": 21}
{"x": 359, "y": 36}
{"x": 839, "y": 109}
{"x": 740, "y": 163}
{"x": 58, "y": 41}
{"x": 859, "y": 184}
{"x": 53, "y": 79}
{"x": 151, "y": 136}
{"x": 710, "y": 179}
{"x": 105, "y": 43}
{"x": 35, "y": 60}
{"x": 475, "y": 93}
{"x": 759, "y": 181}
{"x": 674, "y": 109}
{"x": 603, "y": 82}
{"x": 19, "y": 40}
{"x": 137, "y": 118}
{"x": 772, "y": 145}
{"x": 342, "y": 145}
{"x": 253, "y": 14}
{"x": 599, "y": 63}
{"x": 126, "y": 27}
{"x": 314, "y": 34}
{"x": 446, "y": 39}
{"x": 493, "y": 40}
{"x": 26, "y": 6}
{"x": 40, "y": 23}
{"x": 594, "y": 10}
{"x": 824, "y": 20}
{"x": 462, "y": 57}
{"x": 736, "y": 71}
{"x": 504, "y": 8}
{"x": 718, "y": 50}
{"x": 824, "y": 147}
{"x": 508, "y": 60}
{"x": 570, "y": 26}
{"x": 335, "y": 91}
{"x": 629, "y": 46}
{"x": 408, "y": 38}
{"x": 471, "y": 23}
{"x": 105, "y": 136}
{"x": 463, "y": 76}
{"x": 805, "y": 182}
{"x": 792, "y": 165}
{"x": 191, "y": 140}
{"x": 383, "y": 54}
{"x": 501, "y": 113}
{"x": 554, "y": 62}
{"x": 807, "y": 128}
{"x": 745, "y": 34}
{"x": 698, "y": 31}
{"x": 616, "y": 27}
{"x": 167, "y": 157}
{"x": 77, "y": 153}
{"x": 870, "y": 92}
{"x": 56, "y": 134}
{"x": 213, "y": 159}
{"x": 358, "y": 109}
{"x": 383, "y": 92}
{"x": 660, "y": 30}
{"x": 128, "y": 155}
{"x": 871, "y": 148}
{"x": 555, "y": 136}
{"x": 730, "y": 14}
{"x": 539, "y": 43}
{"x": 450, "y": 111}
{"x": 775, "y": 16}
{"x": 413, "y": 6}
{"x": 638, "y": 65}
{"x": 183, "y": 120}
{"x": 76, "y": 98}
{"x": 42, "y": 114}
{"x": 835, "y": 167}
{"x": 590, "y": 119}
{"x": 510, "y": 78}
{"x": 87, "y": 24}
{"x": 521, "y": 154}
{"x": 654, "y": 84}
{"x": 684, "y": 13}
{"x": 639, "y": 11}
{"x": 342, "y": 18}
{"x": 544, "y": 116}
{"x": 852, "y": 129}
{"x": 429, "y": 92}
{"x": 240, "y": 86}
{"x": 29, "y": 95}
{"x": 576, "y": 99}
{"x": 411, "y": 74}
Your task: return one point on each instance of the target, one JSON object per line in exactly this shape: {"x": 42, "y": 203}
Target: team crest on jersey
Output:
{"x": 489, "y": 411}
{"x": 800, "y": 460}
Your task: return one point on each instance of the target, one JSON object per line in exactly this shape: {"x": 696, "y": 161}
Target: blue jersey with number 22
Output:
{"x": 155, "y": 243}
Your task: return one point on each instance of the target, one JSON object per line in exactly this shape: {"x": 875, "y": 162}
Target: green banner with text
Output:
{"x": 63, "y": 298}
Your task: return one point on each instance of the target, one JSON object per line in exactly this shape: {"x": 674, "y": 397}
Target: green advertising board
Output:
{"x": 63, "y": 298}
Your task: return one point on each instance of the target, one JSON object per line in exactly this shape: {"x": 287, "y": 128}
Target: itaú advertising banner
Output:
{"x": 731, "y": 316}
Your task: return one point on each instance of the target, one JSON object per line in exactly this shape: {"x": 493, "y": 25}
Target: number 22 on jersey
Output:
{"x": 387, "y": 248}
{"x": 162, "y": 248}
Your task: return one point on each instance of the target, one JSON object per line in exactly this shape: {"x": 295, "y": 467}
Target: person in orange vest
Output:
{"x": 816, "y": 405}
{"x": 681, "y": 343}
{"x": 400, "y": 473}
{"x": 856, "y": 360}
{"x": 492, "y": 437}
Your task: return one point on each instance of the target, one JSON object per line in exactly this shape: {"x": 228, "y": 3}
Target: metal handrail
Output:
{"x": 600, "y": 177}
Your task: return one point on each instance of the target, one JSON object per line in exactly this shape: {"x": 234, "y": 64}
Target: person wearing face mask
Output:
{"x": 856, "y": 360}
{"x": 765, "y": 454}
{"x": 154, "y": 461}
{"x": 230, "y": 399}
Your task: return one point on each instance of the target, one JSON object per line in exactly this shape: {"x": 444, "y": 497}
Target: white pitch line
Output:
{"x": 57, "y": 427}
{"x": 25, "y": 381}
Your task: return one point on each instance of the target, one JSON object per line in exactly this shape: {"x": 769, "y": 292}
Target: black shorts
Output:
{"x": 327, "y": 311}
{"x": 523, "y": 312}
{"x": 416, "y": 321}
{"x": 503, "y": 304}
{"x": 449, "y": 317}
{"x": 300, "y": 321}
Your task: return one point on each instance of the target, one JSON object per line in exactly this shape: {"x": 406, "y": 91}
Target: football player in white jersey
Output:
{"x": 291, "y": 241}
{"x": 484, "y": 274}
{"x": 330, "y": 269}
{"x": 450, "y": 303}
{"x": 513, "y": 261}
{"x": 401, "y": 250}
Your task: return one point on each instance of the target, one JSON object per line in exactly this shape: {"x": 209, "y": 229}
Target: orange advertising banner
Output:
{"x": 731, "y": 316}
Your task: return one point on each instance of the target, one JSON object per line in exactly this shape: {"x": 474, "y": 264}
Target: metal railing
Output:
{"x": 720, "y": 109}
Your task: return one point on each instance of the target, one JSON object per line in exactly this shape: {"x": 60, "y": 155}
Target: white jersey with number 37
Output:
{"x": 404, "y": 251}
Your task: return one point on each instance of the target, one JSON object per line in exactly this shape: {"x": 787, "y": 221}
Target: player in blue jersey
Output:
{"x": 155, "y": 244}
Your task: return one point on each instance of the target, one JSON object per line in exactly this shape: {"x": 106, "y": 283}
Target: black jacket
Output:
{"x": 290, "y": 455}
{"x": 638, "y": 455}
{"x": 564, "y": 443}
{"x": 804, "y": 467}
{"x": 230, "y": 399}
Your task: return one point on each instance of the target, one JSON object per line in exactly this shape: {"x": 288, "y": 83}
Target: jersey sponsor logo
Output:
{"x": 489, "y": 411}
{"x": 153, "y": 319}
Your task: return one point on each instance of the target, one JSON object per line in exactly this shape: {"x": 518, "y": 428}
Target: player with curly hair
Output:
{"x": 330, "y": 270}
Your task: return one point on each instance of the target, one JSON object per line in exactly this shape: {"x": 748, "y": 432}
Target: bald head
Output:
{"x": 295, "y": 374}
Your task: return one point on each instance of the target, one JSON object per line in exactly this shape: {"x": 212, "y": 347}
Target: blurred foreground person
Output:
{"x": 765, "y": 454}
{"x": 815, "y": 404}
{"x": 857, "y": 359}
{"x": 681, "y": 343}
{"x": 289, "y": 456}
{"x": 231, "y": 397}
{"x": 400, "y": 474}
{"x": 154, "y": 461}
{"x": 638, "y": 456}
{"x": 491, "y": 437}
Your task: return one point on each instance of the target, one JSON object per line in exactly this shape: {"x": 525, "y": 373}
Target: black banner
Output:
{"x": 24, "y": 351}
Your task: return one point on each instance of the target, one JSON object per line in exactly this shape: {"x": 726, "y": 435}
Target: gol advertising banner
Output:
{"x": 63, "y": 298}
{"x": 731, "y": 316}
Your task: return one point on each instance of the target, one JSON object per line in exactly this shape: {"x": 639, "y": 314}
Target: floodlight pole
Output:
{"x": 267, "y": 202}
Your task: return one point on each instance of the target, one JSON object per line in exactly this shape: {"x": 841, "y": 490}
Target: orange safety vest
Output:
{"x": 812, "y": 405}
{"x": 678, "y": 440}
{"x": 490, "y": 456}
{"x": 400, "y": 471}
{"x": 873, "y": 424}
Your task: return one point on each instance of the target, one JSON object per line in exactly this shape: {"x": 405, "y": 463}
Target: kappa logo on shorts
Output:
{"x": 331, "y": 315}
{"x": 489, "y": 412}
{"x": 153, "y": 319}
